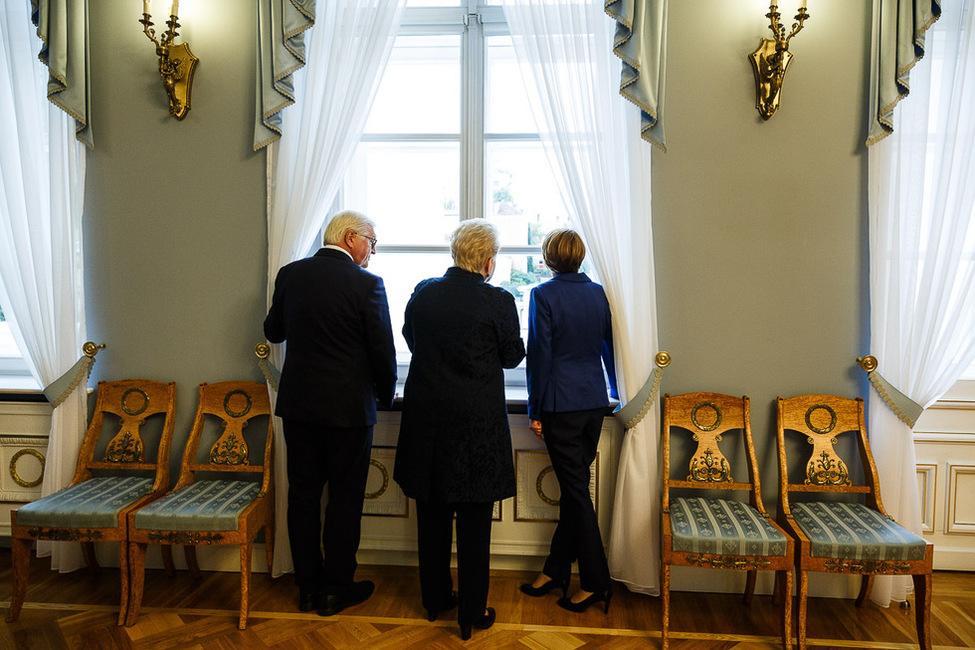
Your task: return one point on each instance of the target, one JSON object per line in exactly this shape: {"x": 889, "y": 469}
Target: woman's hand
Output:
{"x": 536, "y": 428}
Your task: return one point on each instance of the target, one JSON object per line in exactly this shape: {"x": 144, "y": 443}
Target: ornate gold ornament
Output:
{"x": 248, "y": 403}
{"x": 828, "y": 470}
{"x": 771, "y": 59}
{"x": 229, "y": 450}
{"x": 710, "y": 468}
{"x": 832, "y": 418}
{"x": 13, "y": 467}
{"x": 125, "y": 448}
{"x": 867, "y": 566}
{"x": 728, "y": 562}
{"x": 717, "y": 416}
{"x": 138, "y": 409}
{"x": 65, "y": 535}
{"x": 176, "y": 62}
{"x": 184, "y": 538}
{"x": 385, "y": 486}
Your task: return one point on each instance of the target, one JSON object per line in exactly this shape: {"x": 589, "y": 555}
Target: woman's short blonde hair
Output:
{"x": 473, "y": 243}
{"x": 563, "y": 250}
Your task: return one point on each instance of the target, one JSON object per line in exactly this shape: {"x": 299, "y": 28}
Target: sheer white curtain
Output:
{"x": 922, "y": 254}
{"x": 42, "y": 179}
{"x": 347, "y": 52}
{"x": 591, "y": 134}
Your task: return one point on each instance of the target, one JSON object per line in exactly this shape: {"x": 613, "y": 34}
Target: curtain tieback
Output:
{"x": 271, "y": 374}
{"x": 637, "y": 408}
{"x": 903, "y": 406}
{"x": 59, "y": 390}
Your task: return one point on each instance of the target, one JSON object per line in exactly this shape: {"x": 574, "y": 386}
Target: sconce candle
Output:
{"x": 771, "y": 59}
{"x": 176, "y": 62}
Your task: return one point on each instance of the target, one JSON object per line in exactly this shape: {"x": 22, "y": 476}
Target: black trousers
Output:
{"x": 319, "y": 455}
{"x": 571, "y": 438}
{"x": 434, "y": 528}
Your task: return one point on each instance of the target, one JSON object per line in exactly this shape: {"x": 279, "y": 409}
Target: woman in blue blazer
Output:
{"x": 570, "y": 339}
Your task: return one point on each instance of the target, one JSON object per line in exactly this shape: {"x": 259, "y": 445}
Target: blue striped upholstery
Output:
{"x": 855, "y": 532}
{"x": 722, "y": 527}
{"x": 204, "y": 505}
{"x": 94, "y": 503}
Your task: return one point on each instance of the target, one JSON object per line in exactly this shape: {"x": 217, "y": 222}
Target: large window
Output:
{"x": 13, "y": 371}
{"x": 451, "y": 137}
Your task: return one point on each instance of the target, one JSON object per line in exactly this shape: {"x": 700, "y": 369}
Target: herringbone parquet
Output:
{"x": 79, "y": 610}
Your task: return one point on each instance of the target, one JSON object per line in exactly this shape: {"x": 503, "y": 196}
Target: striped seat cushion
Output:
{"x": 721, "y": 527}
{"x": 855, "y": 532}
{"x": 204, "y": 505}
{"x": 95, "y": 503}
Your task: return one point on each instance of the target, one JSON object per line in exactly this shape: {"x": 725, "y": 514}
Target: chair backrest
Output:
{"x": 822, "y": 419}
{"x": 133, "y": 402}
{"x": 234, "y": 404}
{"x": 705, "y": 418}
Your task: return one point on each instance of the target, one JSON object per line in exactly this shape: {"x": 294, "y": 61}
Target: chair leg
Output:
{"x": 803, "y": 592}
{"x": 20, "y": 559}
{"x": 783, "y": 586}
{"x": 137, "y": 576}
{"x": 245, "y": 583}
{"x": 190, "y": 553}
{"x": 269, "y": 546}
{"x": 123, "y": 569}
{"x": 750, "y": 579}
{"x": 665, "y": 602}
{"x": 922, "y": 609}
{"x": 91, "y": 560}
{"x": 866, "y": 586}
{"x": 167, "y": 558}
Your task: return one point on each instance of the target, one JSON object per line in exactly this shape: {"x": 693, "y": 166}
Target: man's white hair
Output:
{"x": 341, "y": 222}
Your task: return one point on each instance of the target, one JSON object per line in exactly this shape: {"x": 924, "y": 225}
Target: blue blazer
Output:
{"x": 340, "y": 359}
{"x": 570, "y": 338}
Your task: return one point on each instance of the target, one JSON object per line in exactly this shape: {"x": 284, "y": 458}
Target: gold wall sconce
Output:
{"x": 176, "y": 62}
{"x": 771, "y": 60}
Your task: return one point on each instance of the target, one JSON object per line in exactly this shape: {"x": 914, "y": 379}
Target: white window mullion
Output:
{"x": 472, "y": 120}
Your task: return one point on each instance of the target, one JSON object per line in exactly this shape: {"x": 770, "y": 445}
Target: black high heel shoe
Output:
{"x": 484, "y": 623}
{"x": 591, "y": 599}
{"x": 535, "y": 592}
{"x": 448, "y": 605}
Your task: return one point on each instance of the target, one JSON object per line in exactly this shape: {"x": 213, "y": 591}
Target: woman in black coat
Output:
{"x": 454, "y": 451}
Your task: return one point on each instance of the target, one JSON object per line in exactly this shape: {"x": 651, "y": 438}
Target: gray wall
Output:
{"x": 759, "y": 227}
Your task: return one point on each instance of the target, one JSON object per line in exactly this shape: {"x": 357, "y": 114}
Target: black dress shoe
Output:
{"x": 583, "y": 605}
{"x": 535, "y": 592}
{"x": 482, "y": 623}
{"x": 449, "y": 603}
{"x": 309, "y": 600}
{"x": 334, "y": 603}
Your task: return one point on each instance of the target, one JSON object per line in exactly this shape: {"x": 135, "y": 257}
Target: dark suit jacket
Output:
{"x": 454, "y": 441}
{"x": 340, "y": 357}
{"x": 570, "y": 330}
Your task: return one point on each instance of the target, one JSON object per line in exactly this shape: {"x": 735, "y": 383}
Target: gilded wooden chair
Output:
{"x": 224, "y": 498}
{"x": 705, "y": 521}
{"x": 109, "y": 482}
{"x": 850, "y": 536}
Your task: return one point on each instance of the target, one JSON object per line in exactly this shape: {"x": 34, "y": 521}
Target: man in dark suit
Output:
{"x": 340, "y": 362}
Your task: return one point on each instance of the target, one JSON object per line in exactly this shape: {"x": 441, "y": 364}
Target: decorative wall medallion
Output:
{"x": 716, "y": 416}
{"x": 16, "y": 476}
{"x": 241, "y": 409}
{"x": 538, "y": 489}
{"x": 131, "y": 402}
{"x": 384, "y": 497}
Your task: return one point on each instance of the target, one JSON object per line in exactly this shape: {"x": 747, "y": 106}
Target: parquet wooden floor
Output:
{"x": 79, "y": 611}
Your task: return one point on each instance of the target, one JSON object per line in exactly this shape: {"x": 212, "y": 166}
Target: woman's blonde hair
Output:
{"x": 473, "y": 243}
{"x": 563, "y": 250}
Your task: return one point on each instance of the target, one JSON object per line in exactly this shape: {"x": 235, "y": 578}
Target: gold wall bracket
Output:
{"x": 771, "y": 59}
{"x": 176, "y": 65}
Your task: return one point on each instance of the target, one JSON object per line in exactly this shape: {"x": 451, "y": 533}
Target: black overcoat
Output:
{"x": 454, "y": 441}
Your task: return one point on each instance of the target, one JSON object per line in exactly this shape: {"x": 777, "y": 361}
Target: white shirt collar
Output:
{"x": 339, "y": 248}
